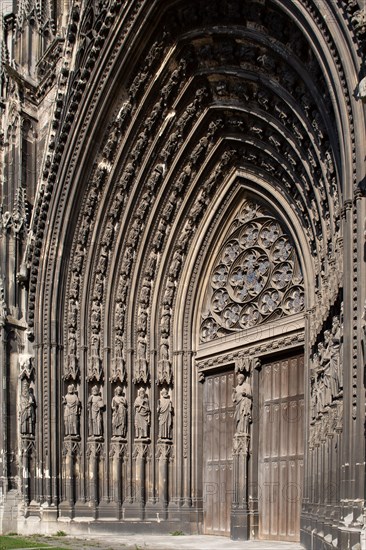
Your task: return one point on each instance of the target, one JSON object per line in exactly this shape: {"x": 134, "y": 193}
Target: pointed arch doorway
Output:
{"x": 271, "y": 500}
{"x": 251, "y": 324}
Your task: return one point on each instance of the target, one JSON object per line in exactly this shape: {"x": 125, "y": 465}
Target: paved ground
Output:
{"x": 167, "y": 542}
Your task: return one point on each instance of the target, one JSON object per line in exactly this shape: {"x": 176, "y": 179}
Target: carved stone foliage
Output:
{"x": 256, "y": 277}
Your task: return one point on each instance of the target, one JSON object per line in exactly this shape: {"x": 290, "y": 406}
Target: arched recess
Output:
{"x": 212, "y": 362}
{"x": 186, "y": 100}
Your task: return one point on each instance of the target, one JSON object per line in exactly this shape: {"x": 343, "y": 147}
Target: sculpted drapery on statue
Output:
{"x": 27, "y": 410}
{"x": 142, "y": 415}
{"x": 72, "y": 409}
{"x": 165, "y": 415}
{"x": 327, "y": 369}
{"x": 119, "y": 415}
{"x": 95, "y": 407}
{"x": 242, "y": 397}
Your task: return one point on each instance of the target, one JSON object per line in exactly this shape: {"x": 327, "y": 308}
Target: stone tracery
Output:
{"x": 256, "y": 277}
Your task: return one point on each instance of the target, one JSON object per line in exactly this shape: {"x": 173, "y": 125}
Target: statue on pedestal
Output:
{"x": 71, "y": 411}
{"x": 119, "y": 415}
{"x": 242, "y": 397}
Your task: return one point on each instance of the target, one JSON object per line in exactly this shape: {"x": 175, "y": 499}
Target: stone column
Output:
{"x": 239, "y": 510}
{"x": 141, "y": 454}
{"x": 28, "y": 450}
{"x": 71, "y": 450}
{"x": 94, "y": 450}
{"x": 118, "y": 453}
{"x": 164, "y": 456}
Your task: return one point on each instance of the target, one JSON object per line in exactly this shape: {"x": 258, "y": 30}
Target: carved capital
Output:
{"x": 241, "y": 444}
{"x": 164, "y": 451}
{"x": 118, "y": 449}
{"x": 141, "y": 450}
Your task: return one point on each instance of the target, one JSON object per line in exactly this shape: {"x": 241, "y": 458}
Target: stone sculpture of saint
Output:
{"x": 27, "y": 412}
{"x": 95, "y": 407}
{"x": 165, "y": 415}
{"x": 242, "y": 397}
{"x": 119, "y": 415}
{"x": 142, "y": 414}
{"x": 72, "y": 408}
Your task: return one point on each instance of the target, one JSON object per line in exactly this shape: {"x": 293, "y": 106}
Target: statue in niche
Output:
{"x": 242, "y": 397}
{"x": 142, "y": 322}
{"x": 74, "y": 285}
{"x": 164, "y": 365}
{"x": 183, "y": 178}
{"x": 120, "y": 315}
{"x": 141, "y": 370}
{"x": 165, "y": 321}
{"x": 118, "y": 363}
{"x": 143, "y": 206}
{"x": 95, "y": 407}
{"x": 335, "y": 357}
{"x": 72, "y": 368}
{"x": 145, "y": 292}
{"x": 26, "y": 366}
{"x": 73, "y": 314}
{"x": 175, "y": 265}
{"x": 119, "y": 415}
{"x": 313, "y": 396}
{"x": 159, "y": 236}
{"x": 169, "y": 293}
{"x": 94, "y": 368}
{"x": 151, "y": 264}
{"x": 72, "y": 409}
{"x": 165, "y": 415}
{"x": 142, "y": 415}
{"x": 98, "y": 288}
{"x": 27, "y": 410}
{"x": 323, "y": 351}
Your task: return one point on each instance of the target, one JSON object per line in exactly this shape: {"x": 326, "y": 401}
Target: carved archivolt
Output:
{"x": 256, "y": 276}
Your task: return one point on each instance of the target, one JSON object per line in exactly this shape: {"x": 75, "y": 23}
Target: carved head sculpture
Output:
{"x": 118, "y": 390}
{"x": 141, "y": 392}
{"x": 70, "y": 388}
{"x": 95, "y": 390}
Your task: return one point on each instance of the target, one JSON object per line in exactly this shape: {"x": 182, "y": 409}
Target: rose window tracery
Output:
{"x": 256, "y": 278}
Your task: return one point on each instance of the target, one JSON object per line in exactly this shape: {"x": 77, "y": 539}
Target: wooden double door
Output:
{"x": 278, "y": 418}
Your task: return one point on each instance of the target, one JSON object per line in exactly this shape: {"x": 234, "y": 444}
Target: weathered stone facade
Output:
{"x": 182, "y": 268}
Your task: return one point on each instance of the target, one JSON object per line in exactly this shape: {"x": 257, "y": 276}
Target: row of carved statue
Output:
{"x": 119, "y": 407}
{"x": 242, "y": 397}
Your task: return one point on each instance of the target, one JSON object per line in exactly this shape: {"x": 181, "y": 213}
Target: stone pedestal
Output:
{"x": 240, "y": 512}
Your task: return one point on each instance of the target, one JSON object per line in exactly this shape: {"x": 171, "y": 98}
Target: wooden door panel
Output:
{"x": 280, "y": 452}
{"x": 217, "y": 453}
